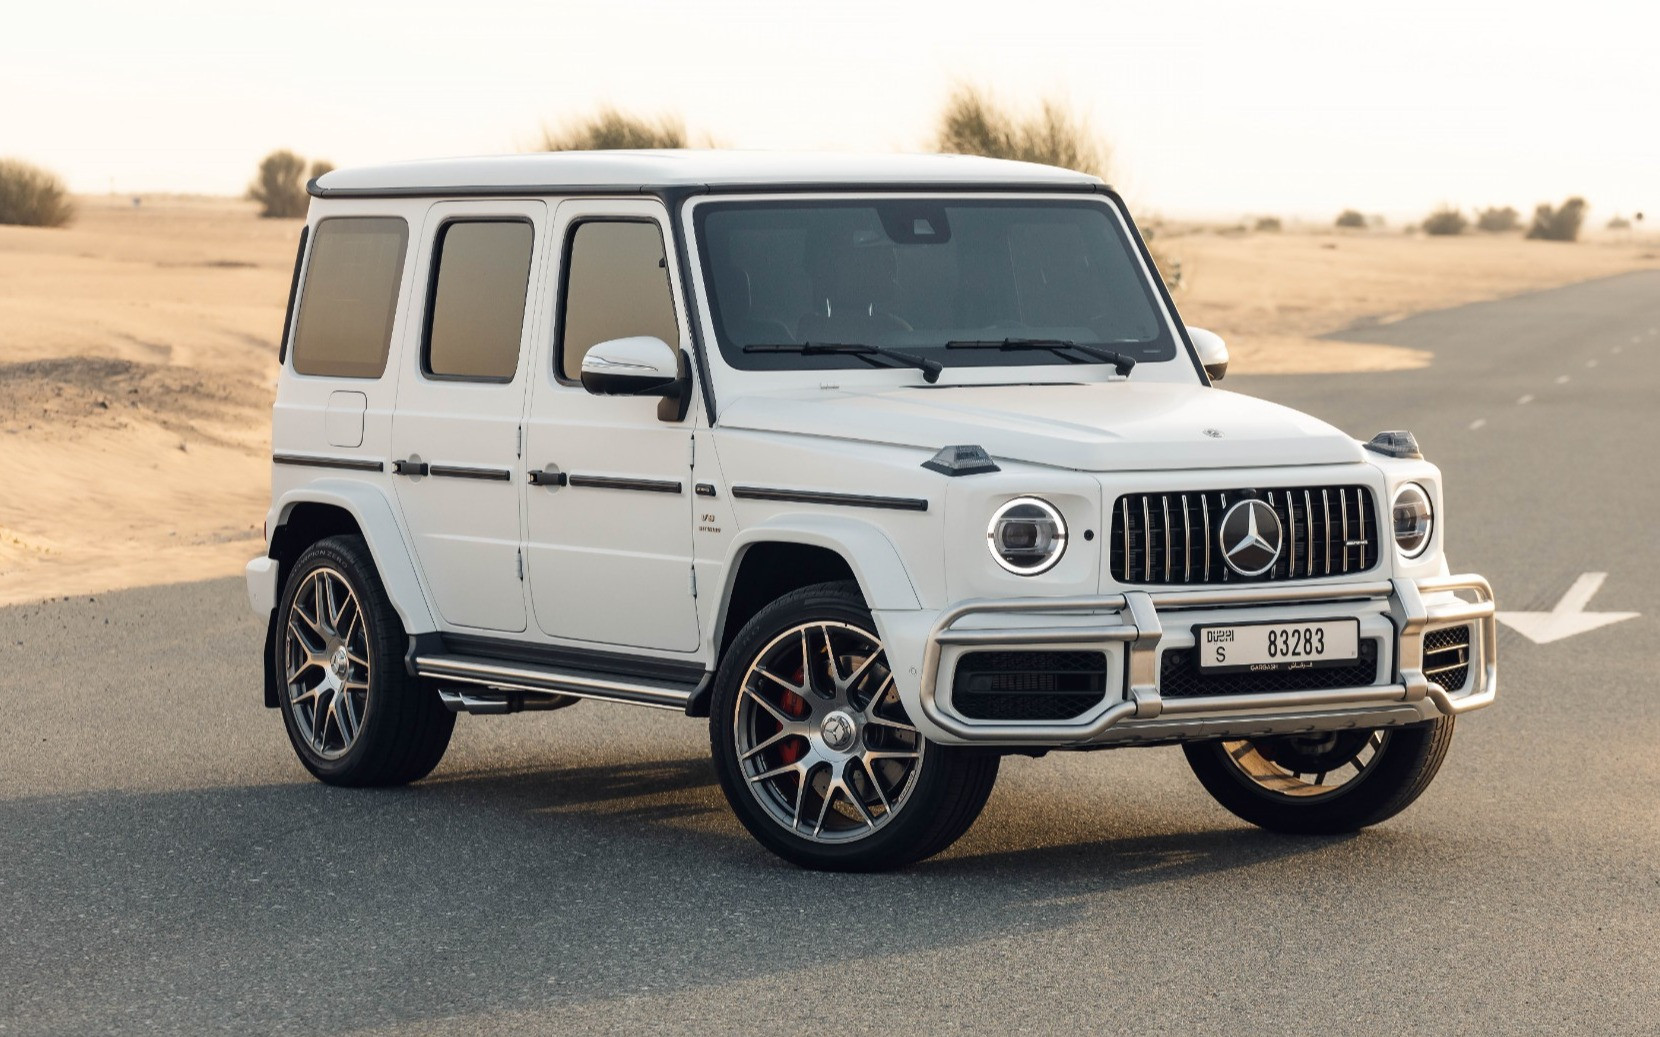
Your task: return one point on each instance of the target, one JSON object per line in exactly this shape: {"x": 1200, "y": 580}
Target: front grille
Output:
{"x": 1028, "y": 685}
{"x": 1174, "y": 537}
{"x": 1180, "y": 678}
{"x": 1447, "y": 657}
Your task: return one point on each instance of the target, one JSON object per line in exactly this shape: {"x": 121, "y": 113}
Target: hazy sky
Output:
{"x": 1212, "y": 108}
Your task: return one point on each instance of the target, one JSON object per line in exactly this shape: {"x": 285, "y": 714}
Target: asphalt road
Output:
{"x": 166, "y": 865}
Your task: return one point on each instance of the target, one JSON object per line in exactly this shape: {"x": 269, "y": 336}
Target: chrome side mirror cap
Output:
{"x": 642, "y": 365}
{"x": 1213, "y": 352}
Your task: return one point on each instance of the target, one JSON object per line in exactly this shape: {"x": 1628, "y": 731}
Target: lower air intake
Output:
{"x": 1028, "y": 685}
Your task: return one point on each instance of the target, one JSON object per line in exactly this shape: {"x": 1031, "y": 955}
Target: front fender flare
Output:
{"x": 869, "y": 552}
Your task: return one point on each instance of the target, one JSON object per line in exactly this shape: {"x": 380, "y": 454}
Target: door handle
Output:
{"x": 410, "y": 467}
{"x": 539, "y": 477}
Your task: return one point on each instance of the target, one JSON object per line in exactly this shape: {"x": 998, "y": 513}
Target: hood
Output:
{"x": 1112, "y": 426}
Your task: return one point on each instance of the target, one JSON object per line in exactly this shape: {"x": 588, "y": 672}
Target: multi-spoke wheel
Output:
{"x": 352, "y": 711}
{"x": 1338, "y": 781}
{"x": 326, "y": 656}
{"x": 817, "y": 755}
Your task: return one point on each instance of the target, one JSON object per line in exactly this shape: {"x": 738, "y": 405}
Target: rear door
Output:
{"x": 609, "y": 546}
{"x": 456, "y": 438}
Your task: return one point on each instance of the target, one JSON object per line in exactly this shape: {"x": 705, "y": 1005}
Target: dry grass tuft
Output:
{"x": 1551, "y": 224}
{"x": 973, "y": 124}
{"x": 31, "y": 196}
{"x": 611, "y": 130}
{"x": 279, "y": 187}
{"x": 1446, "y": 222}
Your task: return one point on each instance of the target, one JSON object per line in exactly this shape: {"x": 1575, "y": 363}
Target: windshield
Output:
{"x": 916, "y": 275}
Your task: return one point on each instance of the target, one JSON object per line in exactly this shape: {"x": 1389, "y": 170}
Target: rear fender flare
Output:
{"x": 375, "y": 516}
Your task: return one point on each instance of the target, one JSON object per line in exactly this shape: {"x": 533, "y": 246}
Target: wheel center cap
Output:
{"x": 839, "y": 731}
{"x": 340, "y": 664}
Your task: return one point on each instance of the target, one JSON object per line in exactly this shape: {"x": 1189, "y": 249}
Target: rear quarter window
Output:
{"x": 350, "y": 295}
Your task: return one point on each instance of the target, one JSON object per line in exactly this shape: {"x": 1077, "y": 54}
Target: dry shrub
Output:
{"x": 1498, "y": 221}
{"x": 1558, "y": 224}
{"x": 31, "y": 196}
{"x": 1352, "y": 218}
{"x": 973, "y": 124}
{"x": 279, "y": 187}
{"x": 1619, "y": 223}
{"x": 1445, "y": 222}
{"x": 1269, "y": 224}
{"x": 611, "y": 130}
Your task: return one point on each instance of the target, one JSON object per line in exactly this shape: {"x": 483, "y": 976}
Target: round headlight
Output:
{"x": 1414, "y": 519}
{"x": 1027, "y": 536}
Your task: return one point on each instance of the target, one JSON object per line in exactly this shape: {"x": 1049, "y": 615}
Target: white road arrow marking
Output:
{"x": 1568, "y": 617}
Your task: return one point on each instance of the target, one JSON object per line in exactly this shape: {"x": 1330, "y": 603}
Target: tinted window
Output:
{"x": 351, "y": 294}
{"x": 481, "y": 272}
{"x": 616, "y": 286}
{"x": 919, "y": 274}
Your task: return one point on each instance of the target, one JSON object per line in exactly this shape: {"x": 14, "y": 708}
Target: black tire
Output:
{"x": 946, "y": 786}
{"x": 403, "y": 728}
{"x": 1403, "y": 762}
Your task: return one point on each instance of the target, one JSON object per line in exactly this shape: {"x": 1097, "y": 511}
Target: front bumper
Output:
{"x": 1137, "y": 626}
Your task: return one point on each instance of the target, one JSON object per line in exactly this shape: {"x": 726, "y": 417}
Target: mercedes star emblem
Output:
{"x": 1251, "y": 538}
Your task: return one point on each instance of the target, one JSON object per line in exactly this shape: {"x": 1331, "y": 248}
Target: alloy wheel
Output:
{"x": 326, "y": 663}
{"x": 822, "y": 740}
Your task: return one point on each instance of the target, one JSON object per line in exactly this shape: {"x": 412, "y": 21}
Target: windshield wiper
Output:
{"x": 1123, "y": 364}
{"x": 930, "y": 368}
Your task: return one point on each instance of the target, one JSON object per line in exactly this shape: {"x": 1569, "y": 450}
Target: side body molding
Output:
{"x": 374, "y": 515}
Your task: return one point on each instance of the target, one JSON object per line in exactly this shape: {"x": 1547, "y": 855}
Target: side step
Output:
{"x": 507, "y": 687}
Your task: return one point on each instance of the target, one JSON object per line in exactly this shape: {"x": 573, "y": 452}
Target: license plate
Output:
{"x": 1266, "y": 647}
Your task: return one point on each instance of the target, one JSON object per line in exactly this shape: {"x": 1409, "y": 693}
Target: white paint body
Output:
{"x": 615, "y": 571}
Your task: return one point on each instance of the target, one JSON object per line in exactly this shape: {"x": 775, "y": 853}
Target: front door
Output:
{"x": 456, "y": 436}
{"x": 609, "y": 545}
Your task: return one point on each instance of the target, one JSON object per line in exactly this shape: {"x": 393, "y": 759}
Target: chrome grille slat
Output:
{"x": 1360, "y": 506}
{"x": 1343, "y": 505}
{"x": 1187, "y": 542}
{"x": 1145, "y": 538}
{"x": 1308, "y": 511}
{"x": 1124, "y": 519}
{"x": 1291, "y": 531}
{"x": 1204, "y": 502}
{"x": 1168, "y": 538}
{"x": 1325, "y": 511}
{"x": 1273, "y": 569}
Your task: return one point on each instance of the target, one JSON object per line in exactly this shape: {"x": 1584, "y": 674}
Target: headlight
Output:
{"x": 1027, "y": 536}
{"x": 1414, "y": 519}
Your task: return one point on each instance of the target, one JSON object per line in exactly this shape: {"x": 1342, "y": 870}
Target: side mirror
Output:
{"x": 1213, "y": 352}
{"x": 638, "y": 366}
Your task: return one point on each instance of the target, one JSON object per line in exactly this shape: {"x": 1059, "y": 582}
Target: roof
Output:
{"x": 656, "y": 171}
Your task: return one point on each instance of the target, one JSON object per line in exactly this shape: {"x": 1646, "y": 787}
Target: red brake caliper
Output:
{"x": 791, "y": 749}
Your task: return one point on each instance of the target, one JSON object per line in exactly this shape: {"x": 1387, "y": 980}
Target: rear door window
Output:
{"x": 344, "y": 329}
{"x": 476, "y": 318}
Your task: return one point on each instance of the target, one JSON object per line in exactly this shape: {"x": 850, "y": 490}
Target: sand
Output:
{"x": 138, "y": 363}
{"x": 1271, "y": 295}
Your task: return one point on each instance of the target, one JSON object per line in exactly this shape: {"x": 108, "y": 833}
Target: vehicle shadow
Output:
{"x": 486, "y": 890}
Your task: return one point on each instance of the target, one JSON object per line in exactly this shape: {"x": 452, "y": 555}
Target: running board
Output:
{"x": 531, "y": 679}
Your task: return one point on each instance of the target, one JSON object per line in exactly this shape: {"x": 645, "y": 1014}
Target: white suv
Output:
{"x": 889, "y": 466}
